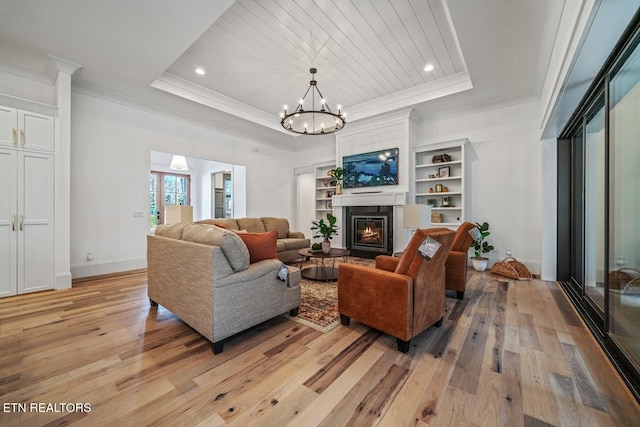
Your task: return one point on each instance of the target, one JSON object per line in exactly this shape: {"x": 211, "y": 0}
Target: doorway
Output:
{"x": 222, "y": 198}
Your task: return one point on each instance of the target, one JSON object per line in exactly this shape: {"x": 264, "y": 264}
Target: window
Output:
{"x": 599, "y": 205}
{"x": 167, "y": 189}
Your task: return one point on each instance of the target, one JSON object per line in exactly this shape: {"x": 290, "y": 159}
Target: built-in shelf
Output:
{"x": 430, "y": 176}
{"x": 324, "y": 188}
{"x": 439, "y": 179}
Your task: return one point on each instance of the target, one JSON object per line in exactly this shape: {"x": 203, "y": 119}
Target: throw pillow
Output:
{"x": 261, "y": 245}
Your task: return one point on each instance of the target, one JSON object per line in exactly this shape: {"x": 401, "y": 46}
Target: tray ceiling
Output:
{"x": 259, "y": 54}
{"x": 370, "y": 54}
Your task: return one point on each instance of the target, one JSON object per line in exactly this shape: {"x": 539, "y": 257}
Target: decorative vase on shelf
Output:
{"x": 326, "y": 246}
{"x": 338, "y": 188}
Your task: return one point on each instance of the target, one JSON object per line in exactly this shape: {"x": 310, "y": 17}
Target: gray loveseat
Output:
{"x": 202, "y": 274}
{"x": 289, "y": 242}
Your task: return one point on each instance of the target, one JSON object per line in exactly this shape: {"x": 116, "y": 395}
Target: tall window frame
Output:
{"x": 163, "y": 193}
{"x": 611, "y": 318}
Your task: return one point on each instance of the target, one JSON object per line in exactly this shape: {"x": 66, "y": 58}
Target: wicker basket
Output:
{"x": 512, "y": 268}
{"x": 619, "y": 278}
{"x": 626, "y": 280}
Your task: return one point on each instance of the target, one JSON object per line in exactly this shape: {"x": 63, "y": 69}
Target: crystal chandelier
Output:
{"x": 315, "y": 120}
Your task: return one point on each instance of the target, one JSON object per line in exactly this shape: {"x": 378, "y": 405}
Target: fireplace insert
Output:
{"x": 369, "y": 230}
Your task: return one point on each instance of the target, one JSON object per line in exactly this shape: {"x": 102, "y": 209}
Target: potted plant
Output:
{"x": 480, "y": 246}
{"x": 325, "y": 230}
{"x": 338, "y": 175}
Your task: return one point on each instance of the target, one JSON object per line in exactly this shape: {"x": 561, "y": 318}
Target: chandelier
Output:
{"x": 315, "y": 120}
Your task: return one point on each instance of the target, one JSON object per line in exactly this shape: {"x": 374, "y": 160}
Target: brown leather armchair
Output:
{"x": 400, "y": 296}
{"x": 456, "y": 264}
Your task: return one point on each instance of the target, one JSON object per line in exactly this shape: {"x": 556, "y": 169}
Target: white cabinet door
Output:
{"x": 8, "y": 222}
{"x": 35, "y": 131}
{"x": 35, "y": 222}
{"x": 8, "y": 126}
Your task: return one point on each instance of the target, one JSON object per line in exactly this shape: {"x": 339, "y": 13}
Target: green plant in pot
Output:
{"x": 338, "y": 175}
{"x": 480, "y": 246}
{"x": 326, "y": 230}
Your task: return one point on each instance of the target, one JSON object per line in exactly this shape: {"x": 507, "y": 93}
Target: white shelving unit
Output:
{"x": 323, "y": 189}
{"x": 441, "y": 184}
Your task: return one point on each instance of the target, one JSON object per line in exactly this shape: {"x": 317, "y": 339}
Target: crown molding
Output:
{"x": 180, "y": 87}
{"x": 523, "y": 98}
{"x": 174, "y": 114}
{"x": 22, "y": 71}
{"x": 405, "y": 98}
{"x": 442, "y": 87}
{"x": 377, "y": 122}
{"x": 55, "y": 65}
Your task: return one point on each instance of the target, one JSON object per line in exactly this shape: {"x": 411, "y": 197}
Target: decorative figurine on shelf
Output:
{"x": 431, "y": 190}
{"x": 445, "y": 189}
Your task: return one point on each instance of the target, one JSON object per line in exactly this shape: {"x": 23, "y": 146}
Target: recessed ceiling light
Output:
{"x": 428, "y": 67}
{"x": 200, "y": 71}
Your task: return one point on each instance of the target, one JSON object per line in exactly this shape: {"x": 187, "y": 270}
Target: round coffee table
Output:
{"x": 321, "y": 271}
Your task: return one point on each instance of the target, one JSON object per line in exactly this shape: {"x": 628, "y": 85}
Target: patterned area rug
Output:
{"x": 319, "y": 305}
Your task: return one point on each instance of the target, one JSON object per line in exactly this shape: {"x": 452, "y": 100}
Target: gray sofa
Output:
{"x": 289, "y": 242}
{"x": 202, "y": 274}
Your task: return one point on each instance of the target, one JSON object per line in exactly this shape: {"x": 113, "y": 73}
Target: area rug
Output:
{"x": 319, "y": 305}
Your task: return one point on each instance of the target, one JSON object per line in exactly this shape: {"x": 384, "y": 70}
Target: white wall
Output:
{"x": 110, "y": 163}
{"x": 505, "y": 174}
{"x": 549, "y": 209}
{"x": 306, "y": 202}
{"x": 504, "y": 184}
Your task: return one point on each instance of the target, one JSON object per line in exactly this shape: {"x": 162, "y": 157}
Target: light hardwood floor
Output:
{"x": 510, "y": 354}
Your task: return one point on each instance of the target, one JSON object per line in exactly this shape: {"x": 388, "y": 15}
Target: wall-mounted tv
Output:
{"x": 371, "y": 169}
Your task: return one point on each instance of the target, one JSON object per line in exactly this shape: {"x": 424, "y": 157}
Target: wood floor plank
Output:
{"x": 349, "y": 405}
{"x": 511, "y": 354}
{"x": 336, "y": 393}
{"x": 567, "y": 399}
{"x": 589, "y": 394}
{"x": 467, "y": 370}
{"x": 537, "y": 396}
{"x": 486, "y": 404}
{"x": 511, "y": 411}
{"x": 454, "y": 409}
{"x": 325, "y": 376}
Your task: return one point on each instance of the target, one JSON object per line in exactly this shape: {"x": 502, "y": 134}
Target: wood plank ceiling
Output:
{"x": 259, "y": 53}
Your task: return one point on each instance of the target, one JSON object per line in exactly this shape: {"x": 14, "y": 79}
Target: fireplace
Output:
{"x": 369, "y": 230}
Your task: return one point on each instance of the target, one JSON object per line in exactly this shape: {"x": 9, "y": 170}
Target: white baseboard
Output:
{"x": 532, "y": 265}
{"x": 63, "y": 281}
{"x": 97, "y": 269}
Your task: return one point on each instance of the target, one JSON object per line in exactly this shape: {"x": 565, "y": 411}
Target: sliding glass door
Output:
{"x": 624, "y": 225}
{"x": 599, "y": 209}
{"x": 594, "y": 206}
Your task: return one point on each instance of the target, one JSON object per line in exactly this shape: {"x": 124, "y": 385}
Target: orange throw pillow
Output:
{"x": 261, "y": 245}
